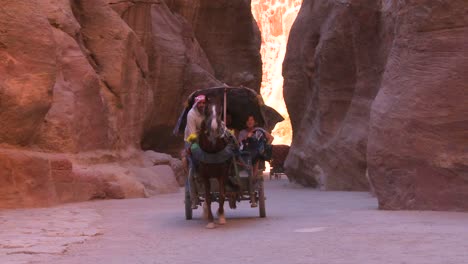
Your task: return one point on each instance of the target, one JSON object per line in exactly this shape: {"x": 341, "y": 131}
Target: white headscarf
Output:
{"x": 198, "y": 99}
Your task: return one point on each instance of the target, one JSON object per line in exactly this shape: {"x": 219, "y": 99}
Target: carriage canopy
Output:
{"x": 240, "y": 103}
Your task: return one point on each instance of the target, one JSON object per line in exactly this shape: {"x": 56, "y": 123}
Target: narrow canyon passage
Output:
{"x": 302, "y": 226}
{"x": 90, "y": 92}
{"x": 274, "y": 19}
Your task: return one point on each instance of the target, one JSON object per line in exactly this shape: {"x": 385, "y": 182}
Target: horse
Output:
{"x": 212, "y": 141}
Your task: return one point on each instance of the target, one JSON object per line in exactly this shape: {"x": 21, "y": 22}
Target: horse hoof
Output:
{"x": 232, "y": 204}
{"x": 222, "y": 220}
{"x": 210, "y": 225}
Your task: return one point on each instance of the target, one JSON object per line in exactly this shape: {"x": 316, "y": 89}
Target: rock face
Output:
{"x": 418, "y": 140}
{"x": 28, "y": 71}
{"x": 332, "y": 73}
{"x": 227, "y": 32}
{"x": 381, "y": 86}
{"x": 31, "y": 178}
{"x": 177, "y": 66}
{"x": 84, "y": 85}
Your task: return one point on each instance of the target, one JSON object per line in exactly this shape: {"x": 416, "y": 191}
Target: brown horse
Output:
{"x": 212, "y": 141}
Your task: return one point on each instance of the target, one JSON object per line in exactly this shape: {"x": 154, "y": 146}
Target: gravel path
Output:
{"x": 302, "y": 226}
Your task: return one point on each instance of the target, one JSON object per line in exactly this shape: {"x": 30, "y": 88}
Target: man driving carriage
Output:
{"x": 195, "y": 118}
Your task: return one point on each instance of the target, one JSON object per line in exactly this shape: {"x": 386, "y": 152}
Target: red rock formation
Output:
{"x": 176, "y": 63}
{"x": 27, "y": 72}
{"x": 381, "y": 86}
{"x": 31, "y": 178}
{"x": 227, "y": 33}
{"x": 85, "y": 84}
{"x": 332, "y": 72}
{"x": 418, "y": 140}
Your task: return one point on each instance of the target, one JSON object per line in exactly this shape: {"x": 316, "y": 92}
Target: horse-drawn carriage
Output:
{"x": 278, "y": 156}
{"x": 228, "y": 179}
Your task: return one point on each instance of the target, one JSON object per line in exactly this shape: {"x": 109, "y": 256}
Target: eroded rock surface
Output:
{"x": 418, "y": 140}
{"x": 381, "y": 85}
{"x": 332, "y": 73}
{"x": 31, "y": 179}
{"x": 88, "y": 84}
{"x": 229, "y": 36}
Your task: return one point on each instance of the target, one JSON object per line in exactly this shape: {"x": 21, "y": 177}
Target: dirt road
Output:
{"x": 302, "y": 226}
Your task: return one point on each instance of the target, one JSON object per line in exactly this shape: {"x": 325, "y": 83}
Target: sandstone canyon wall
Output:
{"x": 378, "y": 90}
{"x": 331, "y": 73}
{"x": 418, "y": 134}
{"x": 85, "y": 85}
{"x": 227, "y": 32}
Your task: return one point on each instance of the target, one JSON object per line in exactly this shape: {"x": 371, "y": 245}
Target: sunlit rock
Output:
{"x": 275, "y": 18}
{"x": 27, "y": 71}
{"x": 93, "y": 82}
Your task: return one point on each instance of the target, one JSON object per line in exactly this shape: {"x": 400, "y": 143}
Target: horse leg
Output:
{"x": 210, "y": 217}
{"x": 222, "y": 197}
{"x": 253, "y": 179}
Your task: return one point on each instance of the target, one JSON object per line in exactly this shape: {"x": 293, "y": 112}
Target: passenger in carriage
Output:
{"x": 229, "y": 124}
{"x": 250, "y": 140}
{"x": 195, "y": 117}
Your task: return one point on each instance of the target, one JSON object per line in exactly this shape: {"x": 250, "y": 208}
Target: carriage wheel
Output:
{"x": 261, "y": 200}
{"x": 188, "y": 204}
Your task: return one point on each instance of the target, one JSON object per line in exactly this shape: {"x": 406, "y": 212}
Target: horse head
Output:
{"x": 213, "y": 122}
{"x": 212, "y": 129}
